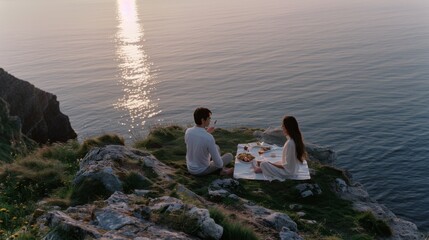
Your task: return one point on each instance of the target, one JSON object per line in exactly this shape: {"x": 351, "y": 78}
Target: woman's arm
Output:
{"x": 278, "y": 164}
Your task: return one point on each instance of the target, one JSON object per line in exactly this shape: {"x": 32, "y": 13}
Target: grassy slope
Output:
{"x": 335, "y": 217}
{"x": 24, "y": 183}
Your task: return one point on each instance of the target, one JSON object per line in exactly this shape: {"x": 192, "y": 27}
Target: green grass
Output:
{"x": 47, "y": 173}
{"x": 101, "y": 141}
{"x": 177, "y": 220}
{"x": 375, "y": 226}
{"x": 134, "y": 180}
{"x": 335, "y": 216}
{"x": 232, "y": 229}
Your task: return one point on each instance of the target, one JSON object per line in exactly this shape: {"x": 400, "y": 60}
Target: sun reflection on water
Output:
{"x": 135, "y": 69}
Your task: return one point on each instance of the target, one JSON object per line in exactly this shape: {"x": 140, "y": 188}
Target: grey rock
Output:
{"x": 109, "y": 219}
{"x": 306, "y": 193}
{"x": 119, "y": 201}
{"x": 61, "y": 221}
{"x": 322, "y": 154}
{"x": 221, "y": 193}
{"x": 279, "y": 220}
{"x": 287, "y": 234}
{"x": 188, "y": 193}
{"x": 160, "y": 233}
{"x": 257, "y": 210}
{"x": 307, "y": 189}
{"x": 340, "y": 185}
{"x": 208, "y": 227}
{"x": 105, "y": 165}
{"x": 234, "y": 197}
{"x": 227, "y": 183}
{"x": 166, "y": 202}
{"x": 141, "y": 192}
{"x": 301, "y": 214}
{"x": 312, "y": 222}
{"x": 270, "y": 218}
{"x": 401, "y": 229}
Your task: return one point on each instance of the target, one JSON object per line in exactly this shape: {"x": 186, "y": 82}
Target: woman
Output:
{"x": 293, "y": 164}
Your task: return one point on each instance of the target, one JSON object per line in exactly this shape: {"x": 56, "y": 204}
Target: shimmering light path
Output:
{"x": 135, "y": 72}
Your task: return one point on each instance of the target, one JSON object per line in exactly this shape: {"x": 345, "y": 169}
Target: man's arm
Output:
{"x": 214, "y": 153}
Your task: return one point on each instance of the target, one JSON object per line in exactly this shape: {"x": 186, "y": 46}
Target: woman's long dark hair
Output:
{"x": 291, "y": 125}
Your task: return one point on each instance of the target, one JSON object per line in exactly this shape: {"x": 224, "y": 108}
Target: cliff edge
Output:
{"x": 38, "y": 110}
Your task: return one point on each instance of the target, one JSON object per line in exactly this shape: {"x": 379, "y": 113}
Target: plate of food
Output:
{"x": 245, "y": 157}
{"x": 263, "y": 149}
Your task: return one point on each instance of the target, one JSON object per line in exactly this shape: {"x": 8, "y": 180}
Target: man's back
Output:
{"x": 200, "y": 147}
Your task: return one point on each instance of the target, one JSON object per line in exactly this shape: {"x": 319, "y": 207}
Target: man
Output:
{"x": 202, "y": 153}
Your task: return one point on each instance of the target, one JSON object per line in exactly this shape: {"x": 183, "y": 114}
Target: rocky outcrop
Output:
{"x": 138, "y": 215}
{"x": 38, "y": 110}
{"x": 123, "y": 217}
{"x": 105, "y": 168}
{"x": 142, "y": 215}
{"x": 276, "y": 221}
{"x": 354, "y": 192}
{"x": 401, "y": 229}
{"x": 132, "y": 216}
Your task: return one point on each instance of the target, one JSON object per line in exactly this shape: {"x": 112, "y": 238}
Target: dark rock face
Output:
{"x": 12, "y": 141}
{"x": 38, "y": 110}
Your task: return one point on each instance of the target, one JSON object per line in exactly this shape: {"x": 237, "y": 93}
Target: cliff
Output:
{"x": 101, "y": 189}
{"x": 12, "y": 141}
{"x": 39, "y": 111}
{"x": 145, "y": 192}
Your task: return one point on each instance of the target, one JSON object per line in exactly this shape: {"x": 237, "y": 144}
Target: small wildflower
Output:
{"x": 14, "y": 218}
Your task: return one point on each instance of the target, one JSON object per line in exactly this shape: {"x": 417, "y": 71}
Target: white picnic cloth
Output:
{"x": 244, "y": 170}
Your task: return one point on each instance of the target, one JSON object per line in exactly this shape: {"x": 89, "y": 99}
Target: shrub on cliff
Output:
{"x": 376, "y": 226}
{"x": 101, "y": 141}
{"x": 231, "y": 229}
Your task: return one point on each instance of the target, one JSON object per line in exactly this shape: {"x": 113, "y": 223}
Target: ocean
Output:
{"x": 354, "y": 73}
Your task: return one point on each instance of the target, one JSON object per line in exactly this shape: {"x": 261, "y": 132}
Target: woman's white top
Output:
{"x": 293, "y": 168}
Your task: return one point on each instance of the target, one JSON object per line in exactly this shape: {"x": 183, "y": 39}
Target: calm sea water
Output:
{"x": 354, "y": 73}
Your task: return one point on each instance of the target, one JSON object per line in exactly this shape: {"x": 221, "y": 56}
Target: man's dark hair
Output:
{"x": 201, "y": 113}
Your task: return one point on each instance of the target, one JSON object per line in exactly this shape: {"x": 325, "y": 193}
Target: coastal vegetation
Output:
{"x": 44, "y": 177}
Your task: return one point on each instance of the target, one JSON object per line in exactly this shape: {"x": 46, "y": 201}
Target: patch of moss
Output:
{"x": 231, "y": 229}
{"x": 375, "y": 226}
{"x": 134, "y": 180}
{"x": 30, "y": 179}
{"x": 101, "y": 141}
{"x": 87, "y": 191}
{"x": 177, "y": 220}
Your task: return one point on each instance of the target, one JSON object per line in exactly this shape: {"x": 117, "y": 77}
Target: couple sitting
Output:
{"x": 203, "y": 155}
